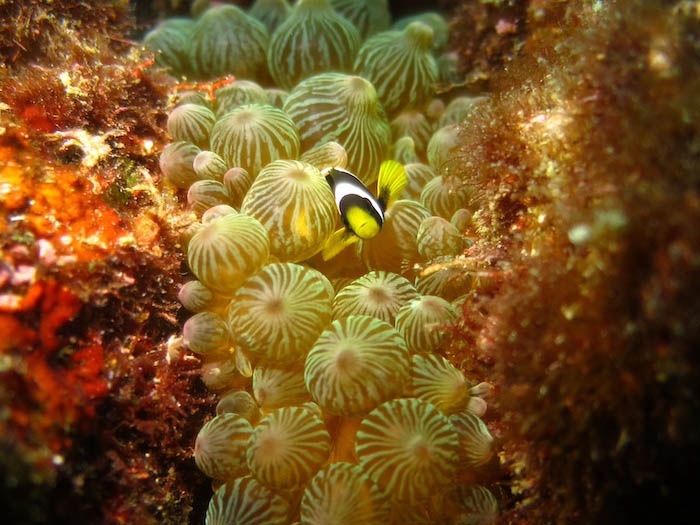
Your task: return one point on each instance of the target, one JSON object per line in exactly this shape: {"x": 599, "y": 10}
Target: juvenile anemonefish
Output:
{"x": 361, "y": 212}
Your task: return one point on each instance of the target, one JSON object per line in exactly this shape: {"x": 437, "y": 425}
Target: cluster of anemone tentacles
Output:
{"x": 334, "y": 405}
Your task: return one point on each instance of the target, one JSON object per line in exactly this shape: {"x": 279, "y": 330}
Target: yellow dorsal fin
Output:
{"x": 337, "y": 242}
{"x": 392, "y": 181}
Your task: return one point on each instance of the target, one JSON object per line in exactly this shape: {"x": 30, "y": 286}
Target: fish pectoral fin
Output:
{"x": 391, "y": 183}
{"x": 337, "y": 242}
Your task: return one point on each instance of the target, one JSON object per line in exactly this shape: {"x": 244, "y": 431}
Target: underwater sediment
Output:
{"x": 515, "y": 346}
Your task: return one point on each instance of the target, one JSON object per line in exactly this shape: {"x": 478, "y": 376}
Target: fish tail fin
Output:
{"x": 337, "y": 242}
{"x": 392, "y": 181}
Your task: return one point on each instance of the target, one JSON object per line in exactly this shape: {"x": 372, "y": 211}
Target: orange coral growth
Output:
{"x": 64, "y": 387}
{"x": 58, "y": 203}
{"x": 67, "y": 211}
{"x": 207, "y": 87}
{"x": 21, "y": 303}
{"x": 69, "y": 392}
{"x": 58, "y": 306}
{"x": 15, "y": 193}
{"x": 14, "y": 333}
{"x": 38, "y": 119}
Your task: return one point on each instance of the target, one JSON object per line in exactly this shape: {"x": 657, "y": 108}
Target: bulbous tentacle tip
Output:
{"x": 420, "y": 34}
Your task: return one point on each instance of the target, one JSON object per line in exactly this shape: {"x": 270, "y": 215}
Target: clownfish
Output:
{"x": 361, "y": 212}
